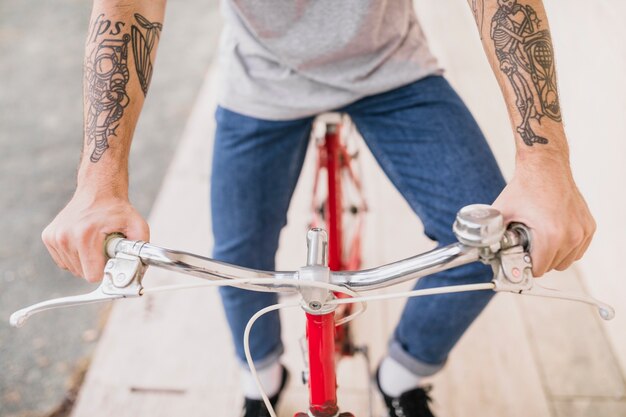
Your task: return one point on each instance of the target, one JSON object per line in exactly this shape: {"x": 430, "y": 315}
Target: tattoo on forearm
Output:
{"x": 478, "y": 9}
{"x": 142, "y": 48}
{"x": 107, "y": 75}
{"x": 526, "y": 57}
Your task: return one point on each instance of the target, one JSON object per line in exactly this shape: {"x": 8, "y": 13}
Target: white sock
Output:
{"x": 395, "y": 379}
{"x": 270, "y": 377}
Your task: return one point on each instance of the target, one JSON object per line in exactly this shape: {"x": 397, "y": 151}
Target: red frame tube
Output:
{"x": 334, "y": 209}
{"x": 322, "y": 378}
{"x": 321, "y": 328}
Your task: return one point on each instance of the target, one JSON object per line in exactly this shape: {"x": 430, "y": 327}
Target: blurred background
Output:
{"x": 41, "y": 47}
{"x": 558, "y": 357}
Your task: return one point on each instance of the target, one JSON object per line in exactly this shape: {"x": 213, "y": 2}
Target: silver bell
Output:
{"x": 479, "y": 225}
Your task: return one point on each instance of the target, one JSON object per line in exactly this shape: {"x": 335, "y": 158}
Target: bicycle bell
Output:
{"x": 479, "y": 225}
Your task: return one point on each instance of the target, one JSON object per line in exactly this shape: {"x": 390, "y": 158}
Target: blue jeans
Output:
{"x": 430, "y": 147}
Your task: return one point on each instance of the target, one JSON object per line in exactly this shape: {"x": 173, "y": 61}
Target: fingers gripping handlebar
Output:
{"x": 480, "y": 230}
{"x": 509, "y": 254}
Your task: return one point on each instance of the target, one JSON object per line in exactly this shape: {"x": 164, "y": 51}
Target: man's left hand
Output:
{"x": 545, "y": 198}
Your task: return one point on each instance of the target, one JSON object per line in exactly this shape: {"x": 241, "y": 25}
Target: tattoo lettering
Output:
{"x": 106, "y": 76}
{"x": 142, "y": 48}
{"x": 526, "y": 57}
{"x": 102, "y": 26}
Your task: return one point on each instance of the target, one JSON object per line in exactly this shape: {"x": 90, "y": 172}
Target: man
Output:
{"x": 282, "y": 62}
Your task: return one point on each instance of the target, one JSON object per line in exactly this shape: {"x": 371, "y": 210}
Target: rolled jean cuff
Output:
{"x": 413, "y": 365}
{"x": 266, "y": 361}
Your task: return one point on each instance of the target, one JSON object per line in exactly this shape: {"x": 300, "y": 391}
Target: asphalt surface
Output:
{"x": 41, "y": 44}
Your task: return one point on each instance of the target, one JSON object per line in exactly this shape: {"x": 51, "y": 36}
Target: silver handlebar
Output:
{"x": 196, "y": 265}
{"x": 479, "y": 228}
{"x": 407, "y": 269}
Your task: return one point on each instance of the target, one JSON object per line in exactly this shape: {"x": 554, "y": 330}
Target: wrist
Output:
{"x": 542, "y": 158}
{"x": 107, "y": 177}
{"x": 95, "y": 191}
{"x": 98, "y": 185}
{"x": 543, "y": 169}
{"x": 551, "y": 156}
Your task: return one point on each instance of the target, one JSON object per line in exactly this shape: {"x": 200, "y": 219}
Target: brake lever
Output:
{"x": 507, "y": 250}
{"x": 122, "y": 279}
{"x": 513, "y": 273}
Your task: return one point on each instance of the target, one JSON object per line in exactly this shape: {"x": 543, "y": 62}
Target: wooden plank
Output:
{"x": 590, "y": 407}
{"x": 158, "y": 358}
{"x": 570, "y": 345}
{"x": 492, "y": 371}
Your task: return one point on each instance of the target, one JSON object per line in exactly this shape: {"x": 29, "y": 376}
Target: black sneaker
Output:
{"x": 257, "y": 408}
{"x": 413, "y": 403}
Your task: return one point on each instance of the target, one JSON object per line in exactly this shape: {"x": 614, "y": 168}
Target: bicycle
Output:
{"x": 482, "y": 236}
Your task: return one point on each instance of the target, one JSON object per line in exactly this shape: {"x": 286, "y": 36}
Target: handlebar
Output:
{"x": 480, "y": 230}
{"x": 427, "y": 263}
{"x": 195, "y": 265}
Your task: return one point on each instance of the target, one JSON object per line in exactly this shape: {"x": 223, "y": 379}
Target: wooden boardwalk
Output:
{"x": 170, "y": 354}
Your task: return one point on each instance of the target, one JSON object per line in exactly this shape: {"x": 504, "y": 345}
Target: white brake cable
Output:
{"x": 354, "y": 298}
{"x": 254, "y": 281}
{"x": 258, "y": 314}
{"x": 237, "y": 282}
{"x": 416, "y": 293}
{"x": 246, "y": 348}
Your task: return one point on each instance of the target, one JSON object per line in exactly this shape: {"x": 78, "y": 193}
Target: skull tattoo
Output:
{"x": 526, "y": 56}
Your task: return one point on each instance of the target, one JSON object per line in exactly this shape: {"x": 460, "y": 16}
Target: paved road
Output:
{"x": 40, "y": 137}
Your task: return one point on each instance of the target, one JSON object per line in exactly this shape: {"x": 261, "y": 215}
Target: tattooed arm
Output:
{"x": 119, "y": 53}
{"x": 542, "y": 193}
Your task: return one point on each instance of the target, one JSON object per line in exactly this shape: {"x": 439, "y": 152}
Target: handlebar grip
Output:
{"x": 519, "y": 234}
{"x": 110, "y": 244}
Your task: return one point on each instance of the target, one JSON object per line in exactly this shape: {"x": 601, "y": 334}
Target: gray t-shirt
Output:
{"x": 285, "y": 59}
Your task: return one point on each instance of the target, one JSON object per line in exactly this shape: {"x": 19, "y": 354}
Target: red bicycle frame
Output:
{"x": 325, "y": 340}
{"x": 334, "y": 209}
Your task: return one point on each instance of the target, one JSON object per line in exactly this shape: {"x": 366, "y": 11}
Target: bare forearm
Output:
{"x": 119, "y": 55}
{"x": 516, "y": 39}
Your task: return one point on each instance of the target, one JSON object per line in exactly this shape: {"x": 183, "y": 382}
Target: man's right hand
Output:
{"x": 75, "y": 238}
